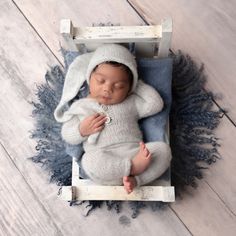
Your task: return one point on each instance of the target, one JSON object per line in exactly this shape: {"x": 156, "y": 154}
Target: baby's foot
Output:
{"x": 129, "y": 183}
{"x": 141, "y": 161}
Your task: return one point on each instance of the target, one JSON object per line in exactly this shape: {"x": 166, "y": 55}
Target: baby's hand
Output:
{"x": 92, "y": 124}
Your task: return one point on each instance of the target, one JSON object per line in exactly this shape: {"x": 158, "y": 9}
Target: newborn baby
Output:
{"x": 106, "y": 122}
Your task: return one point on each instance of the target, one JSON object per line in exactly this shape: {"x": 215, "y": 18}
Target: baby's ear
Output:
{"x": 130, "y": 84}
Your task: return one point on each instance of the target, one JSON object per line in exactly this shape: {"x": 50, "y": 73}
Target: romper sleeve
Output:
{"x": 147, "y": 100}
{"x": 70, "y": 131}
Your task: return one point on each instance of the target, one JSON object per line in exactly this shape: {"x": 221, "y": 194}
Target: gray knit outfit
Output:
{"x": 107, "y": 157}
{"x": 108, "y": 153}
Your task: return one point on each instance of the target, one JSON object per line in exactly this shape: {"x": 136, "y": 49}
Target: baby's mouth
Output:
{"x": 105, "y": 97}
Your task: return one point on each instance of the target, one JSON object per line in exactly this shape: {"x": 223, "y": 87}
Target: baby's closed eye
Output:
{"x": 100, "y": 80}
{"x": 119, "y": 85}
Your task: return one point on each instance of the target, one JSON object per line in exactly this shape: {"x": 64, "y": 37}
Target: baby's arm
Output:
{"x": 147, "y": 100}
{"x": 70, "y": 131}
{"x": 92, "y": 124}
{"x": 75, "y": 131}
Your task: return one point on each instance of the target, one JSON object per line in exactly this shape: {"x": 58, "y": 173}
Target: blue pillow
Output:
{"x": 157, "y": 73}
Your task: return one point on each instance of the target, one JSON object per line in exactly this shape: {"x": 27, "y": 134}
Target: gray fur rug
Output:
{"x": 192, "y": 125}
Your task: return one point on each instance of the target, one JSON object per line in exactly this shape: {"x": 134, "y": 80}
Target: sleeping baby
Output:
{"x": 106, "y": 121}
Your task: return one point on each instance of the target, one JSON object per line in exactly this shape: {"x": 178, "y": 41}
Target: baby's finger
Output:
{"x": 98, "y": 128}
{"x": 149, "y": 156}
{"x": 94, "y": 116}
{"x": 98, "y": 118}
{"x": 101, "y": 122}
{"x": 142, "y": 145}
{"x": 146, "y": 151}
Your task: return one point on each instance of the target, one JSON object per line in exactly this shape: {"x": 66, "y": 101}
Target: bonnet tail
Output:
{"x": 74, "y": 80}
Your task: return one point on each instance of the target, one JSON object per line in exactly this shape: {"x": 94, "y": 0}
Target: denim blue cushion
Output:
{"x": 157, "y": 73}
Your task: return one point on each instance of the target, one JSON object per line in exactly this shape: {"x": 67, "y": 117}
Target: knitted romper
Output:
{"x": 108, "y": 154}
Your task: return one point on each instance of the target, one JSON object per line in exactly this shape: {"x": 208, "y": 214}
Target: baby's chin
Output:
{"x": 108, "y": 101}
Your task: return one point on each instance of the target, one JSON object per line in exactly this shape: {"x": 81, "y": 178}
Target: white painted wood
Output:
{"x": 165, "y": 43}
{"x": 117, "y": 193}
{"x": 75, "y": 172}
{"x": 118, "y": 34}
{"x": 146, "y": 37}
{"x": 67, "y": 31}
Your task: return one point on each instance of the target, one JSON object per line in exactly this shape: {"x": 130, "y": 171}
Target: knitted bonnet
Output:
{"x": 113, "y": 52}
{"x": 81, "y": 68}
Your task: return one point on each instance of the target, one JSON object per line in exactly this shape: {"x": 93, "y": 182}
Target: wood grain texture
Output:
{"x": 24, "y": 59}
{"x": 206, "y": 30}
{"x": 117, "y": 193}
{"x": 204, "y": 213}
{"x": 20, "y": 213}
{"x": 45, "y": 16}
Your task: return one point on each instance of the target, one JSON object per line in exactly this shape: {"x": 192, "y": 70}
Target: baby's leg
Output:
{"x": 141, "y": 160}
{"x": 161, "y": 157}
{"x": 140, "y": 163}
{"x": 108, "y": 167}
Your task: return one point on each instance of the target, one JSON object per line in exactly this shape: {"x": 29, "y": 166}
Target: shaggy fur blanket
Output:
{"x": 192, "y": 125}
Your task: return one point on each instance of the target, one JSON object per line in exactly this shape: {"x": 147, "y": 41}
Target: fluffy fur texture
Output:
{"x": 192, "y": 123}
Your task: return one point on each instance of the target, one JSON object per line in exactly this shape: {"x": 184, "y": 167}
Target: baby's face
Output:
{"x": 109, "y": 84}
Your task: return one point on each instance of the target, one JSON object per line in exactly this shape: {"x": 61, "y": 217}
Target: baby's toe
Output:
{"x": 129, "y": 190}
{"x": 149, "y": 156}
{"x": 125, "y": 179}
{"x": 142, "y": 145}
{"x": 145, "y": 151}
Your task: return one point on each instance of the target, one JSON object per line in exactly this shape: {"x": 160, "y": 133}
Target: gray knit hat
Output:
{"x": 117, "y": 53}
{"x": 81, "y": 68}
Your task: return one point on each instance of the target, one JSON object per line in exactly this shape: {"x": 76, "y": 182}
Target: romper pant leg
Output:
{"x": 161, "y": 157}
{"x": 108, "y": 166}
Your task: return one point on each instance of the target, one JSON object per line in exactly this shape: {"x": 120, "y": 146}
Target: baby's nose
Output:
{"x": 107, "y": 88}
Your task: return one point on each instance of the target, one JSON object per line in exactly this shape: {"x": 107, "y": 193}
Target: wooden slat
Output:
{"x": 116, "y": 34}
{"x": 118, "y": 193}
{"x": 67, "y": 31}
{"x": 206, "y": 31}
{"x": 150, "y": 37}
{"x": 166, "y": 33}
